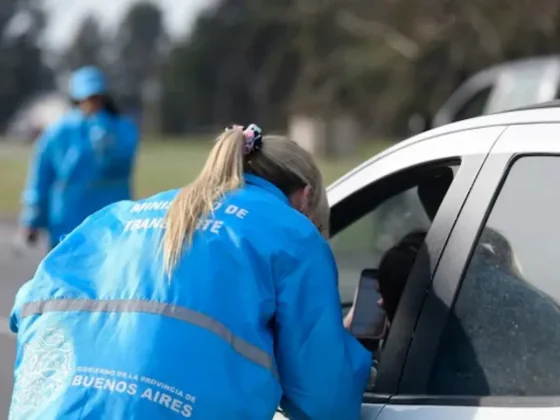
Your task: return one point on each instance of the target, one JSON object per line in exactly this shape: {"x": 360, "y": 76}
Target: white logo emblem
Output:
{"x": 45, "y": 370}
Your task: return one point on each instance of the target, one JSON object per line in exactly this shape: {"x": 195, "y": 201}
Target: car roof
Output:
{"x": 536, "y": 61}
{"x": 550, "y": 104}
{"x": 548, "y": 112}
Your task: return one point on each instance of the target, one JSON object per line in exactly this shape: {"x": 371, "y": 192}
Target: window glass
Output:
{"x": 519, "y": 87}
{"x": 363, "y": 243}
{"x": 475, "y": 105}
{"x": 503, "y": 335}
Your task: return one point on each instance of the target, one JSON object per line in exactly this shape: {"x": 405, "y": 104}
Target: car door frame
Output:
{"x": 517, "y": 141}
{"x": 469, "y": 145}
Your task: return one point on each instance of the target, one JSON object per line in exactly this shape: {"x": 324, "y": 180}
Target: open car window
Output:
{"x": 363, "y": 243}
{"x": 407, "y": 207}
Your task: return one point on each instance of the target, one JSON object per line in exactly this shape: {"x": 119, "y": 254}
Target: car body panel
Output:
{"x": 530, "y": 138}
{"x": 446, "y": 279}
{"x": 519, "y": 117}
{"x": 435, "y": 412}
{"x": 412, "y": 153}
{"x": 500, "y": 137}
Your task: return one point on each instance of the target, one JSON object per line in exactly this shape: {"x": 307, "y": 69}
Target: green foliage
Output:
{"x": 86, "y": 47}
{"x": 380, "y": 60}
{"x": 255, "y": 60}
{"x": 21, "y": 66}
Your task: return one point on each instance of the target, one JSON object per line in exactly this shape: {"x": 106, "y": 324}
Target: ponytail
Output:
{"x": 237, "y": 151}
{"x": 222, "y": 172}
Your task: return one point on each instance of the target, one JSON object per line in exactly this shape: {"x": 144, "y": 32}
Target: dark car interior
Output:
{"x": 397, "y": 262}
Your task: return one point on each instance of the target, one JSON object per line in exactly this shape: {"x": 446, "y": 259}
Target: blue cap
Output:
{"x": 87, "y": 82}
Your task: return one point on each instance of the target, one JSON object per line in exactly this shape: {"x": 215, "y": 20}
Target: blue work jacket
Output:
{"x": 80, "y": 165}
{"x": 249, "y": 320}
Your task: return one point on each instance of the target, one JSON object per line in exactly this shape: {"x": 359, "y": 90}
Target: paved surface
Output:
{"x": 14, "y": 271}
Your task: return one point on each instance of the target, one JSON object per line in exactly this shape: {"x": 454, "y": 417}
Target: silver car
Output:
{"x": 503, "y": 87}
{"x": 477, "y": 331}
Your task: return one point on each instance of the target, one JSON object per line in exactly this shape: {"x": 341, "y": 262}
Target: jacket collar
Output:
{"x": 267, "y": 186}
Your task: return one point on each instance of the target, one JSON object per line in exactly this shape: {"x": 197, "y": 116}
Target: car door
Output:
{"x": 378, "y": 203}
{"x": 488, "y": 336}
{"x": 387, "y": 181}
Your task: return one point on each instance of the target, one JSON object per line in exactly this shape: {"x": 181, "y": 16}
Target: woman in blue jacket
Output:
{"x": 217, "y": 301}
{"x": 81, "y": 163}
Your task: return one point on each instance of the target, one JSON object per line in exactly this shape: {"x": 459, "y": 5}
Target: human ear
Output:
{"x": 301, "y": 200}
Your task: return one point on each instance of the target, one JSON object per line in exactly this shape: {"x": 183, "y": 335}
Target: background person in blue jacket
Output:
{"x": 81, "y": 163}
{"x": 217, "y": 301}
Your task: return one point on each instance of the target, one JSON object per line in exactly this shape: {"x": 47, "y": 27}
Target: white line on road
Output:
{"x": 5, "y": 327}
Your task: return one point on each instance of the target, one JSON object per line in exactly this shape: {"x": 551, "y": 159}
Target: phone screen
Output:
{"x": 369, "y": 319}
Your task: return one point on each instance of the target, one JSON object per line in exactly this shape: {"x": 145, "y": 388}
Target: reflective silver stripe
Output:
{"x": 247, "y": 350}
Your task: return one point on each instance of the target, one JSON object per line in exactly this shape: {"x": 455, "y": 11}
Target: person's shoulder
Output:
{"x": 274, "y": 216}
{"x": 127, "y": 122}
{"x": 114, "y": 218}
{"x": 68, "y": 120}
{"x": 129, "y": 209}
{"x": 105, "y": 217}
{"x": 299, "y": 225}
{"x": 128, "y": 128}
{"x": 158, "y": 202}
{"x": 126, "y": 119}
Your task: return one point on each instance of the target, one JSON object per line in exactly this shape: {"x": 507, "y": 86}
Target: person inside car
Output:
{"x": 216, "y": 301}
{"x": 393, "y": 271}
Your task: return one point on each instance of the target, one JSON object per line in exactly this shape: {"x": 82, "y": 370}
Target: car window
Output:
{"x": 362, "y": 244}
{"x": 503, "y": 334}
{"x": 519, "y": 87}
{"x": 474, "y": 106}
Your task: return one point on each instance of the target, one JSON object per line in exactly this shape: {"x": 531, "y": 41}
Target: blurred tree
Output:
{"x": 139, "y": 48}
{"x": 379, "y": 60}
{"x": 8, "y": 9}
{"x": 86, "y": 48}
{"x": 23, "y": 72}
{"x": 239, "y": 63}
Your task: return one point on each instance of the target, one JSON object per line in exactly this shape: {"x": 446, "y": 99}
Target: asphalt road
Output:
{"x": 14, "y": 271}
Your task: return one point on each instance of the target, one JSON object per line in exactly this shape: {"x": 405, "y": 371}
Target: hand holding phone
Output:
{"x": 368, "y": 320}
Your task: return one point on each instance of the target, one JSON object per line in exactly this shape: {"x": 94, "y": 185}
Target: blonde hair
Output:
{"x": 280, "y": 161}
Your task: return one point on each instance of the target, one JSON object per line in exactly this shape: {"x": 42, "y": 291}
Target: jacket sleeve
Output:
{"x": 128, "y": 142}
{"x": 323, "y": 369}
{"x": 120, "y": 162}
{"x": 40, "y": 177}
{"x": 22, "y": 296}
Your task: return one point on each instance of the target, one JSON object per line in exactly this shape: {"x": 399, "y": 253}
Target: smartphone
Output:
{"x": 369, "y": 320}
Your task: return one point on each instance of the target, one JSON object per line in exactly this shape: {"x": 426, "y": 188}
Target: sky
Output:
{"x": 66, "y": 15}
